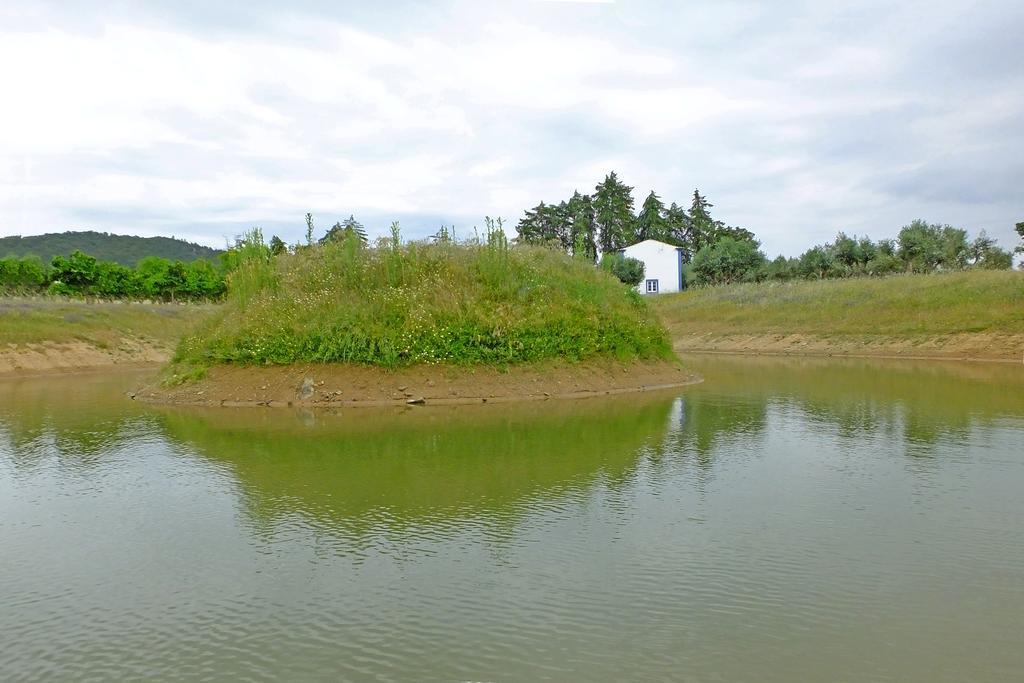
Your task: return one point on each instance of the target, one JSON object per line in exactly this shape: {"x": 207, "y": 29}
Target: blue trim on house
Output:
{"x": 679, "y": 252}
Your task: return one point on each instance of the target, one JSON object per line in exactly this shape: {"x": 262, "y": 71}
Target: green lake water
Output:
{"x": 818, "y": 520}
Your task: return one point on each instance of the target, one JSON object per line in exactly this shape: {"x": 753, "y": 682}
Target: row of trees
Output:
{"x": 920, "y": 247}
{"x": 153, "y": 277}
{"x": 603, "y": 222}
{"x": 80, "y": 274}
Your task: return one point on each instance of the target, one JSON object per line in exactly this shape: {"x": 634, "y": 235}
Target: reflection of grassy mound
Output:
{"x": 424, "y": 303}
{"x": 422, "y": 465}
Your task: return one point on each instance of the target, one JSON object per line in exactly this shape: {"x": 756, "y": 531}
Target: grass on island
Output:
{"x": 404, "y": 304}
{"x": 34, "y": 320}
{"x": 907, "y": 306}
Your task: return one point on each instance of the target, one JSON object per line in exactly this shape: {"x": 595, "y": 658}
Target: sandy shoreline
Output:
{"x": 352, "y": 386}
{"x": 974, "y": 347}
{"x": 51, "y": 358}
{"x": 48, "y": 358}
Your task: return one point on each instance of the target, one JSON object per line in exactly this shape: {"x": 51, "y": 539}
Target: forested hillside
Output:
{"x": 127, "y": 250}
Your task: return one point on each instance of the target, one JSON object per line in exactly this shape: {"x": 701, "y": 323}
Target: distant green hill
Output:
{"x": 124, "y": 249}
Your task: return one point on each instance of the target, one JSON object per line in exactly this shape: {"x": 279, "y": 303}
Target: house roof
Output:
{"x": 664, "y": 244}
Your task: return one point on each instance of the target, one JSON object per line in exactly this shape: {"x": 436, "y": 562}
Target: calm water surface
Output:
{"x": 786, "y": 520}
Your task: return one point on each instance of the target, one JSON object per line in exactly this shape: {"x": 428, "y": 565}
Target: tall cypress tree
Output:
{"x": 613, "y": 211}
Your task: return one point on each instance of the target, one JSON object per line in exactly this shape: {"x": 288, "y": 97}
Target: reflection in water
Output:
{"x": 387, "y": 469}
{"x": 915, "y": 402}
{"x": 785, "y": 520}
{"x": 80, "y": 417}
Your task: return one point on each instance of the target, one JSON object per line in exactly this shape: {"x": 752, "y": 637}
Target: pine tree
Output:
{"x": 613, "y": 211}
{"x": 347, "y": 228}
{"x": 702, "y": 227}
{"x": 678, "y": 223}
{"x": 651, "y": 223}
{"x": 541, "y": 225}
{"x": 561, "y": 222}
{"x": 580, "y": 214}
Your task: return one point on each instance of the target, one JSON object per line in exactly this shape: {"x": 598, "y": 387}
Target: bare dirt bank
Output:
{"x": 979, "y": 346}
{"x": 58, "y": 357}
{"x": 348, "y": 385}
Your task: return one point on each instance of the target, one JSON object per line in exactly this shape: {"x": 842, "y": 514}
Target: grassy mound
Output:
{"x": 404, "y": 304}
{"x": 897, "y": 306}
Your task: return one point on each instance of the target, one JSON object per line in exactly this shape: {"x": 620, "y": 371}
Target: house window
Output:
{"x": 652, "y": 286}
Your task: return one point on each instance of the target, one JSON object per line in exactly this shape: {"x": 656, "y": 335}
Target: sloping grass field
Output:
{"x": 906, "y": 306}
{"x": 33, "y": 320}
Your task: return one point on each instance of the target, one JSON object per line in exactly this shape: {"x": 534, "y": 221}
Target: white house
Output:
{"x": 663, "y": 266}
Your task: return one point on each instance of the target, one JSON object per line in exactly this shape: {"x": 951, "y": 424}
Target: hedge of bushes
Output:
{"x": 80, "y": 274}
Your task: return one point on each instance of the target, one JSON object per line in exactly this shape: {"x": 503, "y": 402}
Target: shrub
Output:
{"x": 727, "y": 260}
{"x": 629, "y": 271}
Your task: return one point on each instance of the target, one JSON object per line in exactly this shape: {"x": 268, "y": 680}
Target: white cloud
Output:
{"x": 797, "y": 121}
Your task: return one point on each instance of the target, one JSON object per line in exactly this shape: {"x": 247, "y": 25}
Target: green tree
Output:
{"x": 9, "y": 267}
{"x": 678, "y": 225}
{"x": 78, "y": 271}
{"x": 727, "y": 260}
{"x": 983, "y": 252}
{"x": 348, "y": 228}
{"x": 114, "y": 280}
{"x": 1019, "y": 227}
{"x": 883, "y": 263}
{"x": 202, "y": 281}
{"x": 815, "y": 263}
{"x": 22, "y": 274}
{"x": 152, "y": 277}
{"x": 628, "y": 270}
{"x": 779, "y": 269}
{"x": 845, "y": 254}
{"x": 562, "y": 220}
{"x": 920, "y": 247}
{"x": 866, "y": 250}
{"x": 582, "y": 236}
{"x": 175, "y": 280}
{"x": 542, "y": 224}
{"x": 651, "y": 223}
{"x": 613, "y": 211}
{"x": 702, "y": 226}
{"x": 955, "y": 248}
{"x": 277, "y": 246}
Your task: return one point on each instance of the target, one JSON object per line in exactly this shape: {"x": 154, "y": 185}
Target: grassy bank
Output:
{"x": 405, "y": 304}
{"x": 935, "y": 314}
{"x": 35, "y": 320}
{"x": 48, "y": 334}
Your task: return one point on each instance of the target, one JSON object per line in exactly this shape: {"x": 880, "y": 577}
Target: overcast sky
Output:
{"x": 797, "y": 119}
